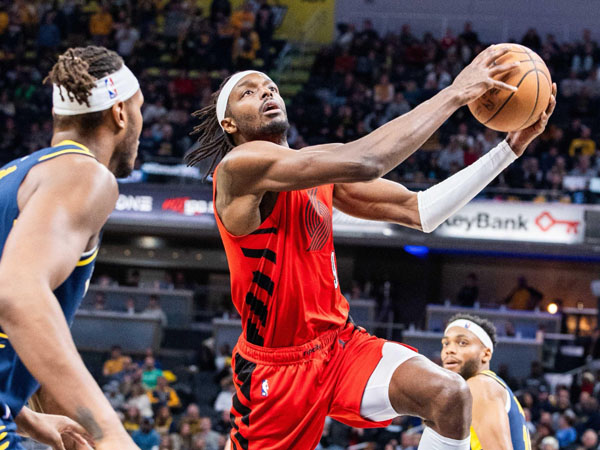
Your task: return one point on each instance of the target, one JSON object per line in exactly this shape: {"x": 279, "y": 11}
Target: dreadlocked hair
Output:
{"x": 212, "y": 140}
{"x": 77, "y": 71}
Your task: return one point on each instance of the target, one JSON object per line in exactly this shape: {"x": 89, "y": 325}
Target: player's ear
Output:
{"x": 118, "y": 115}
{"x": 229, "y": 125}
{"x": 487, "y": 355}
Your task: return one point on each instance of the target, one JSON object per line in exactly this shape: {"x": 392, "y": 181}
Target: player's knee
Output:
{"x": 454, "y": 399}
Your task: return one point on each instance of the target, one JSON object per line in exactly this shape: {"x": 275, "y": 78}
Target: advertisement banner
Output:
{"x": 505, "y": 221}
{"x": 149, "y": 203}
{"x": 191, "y": 206}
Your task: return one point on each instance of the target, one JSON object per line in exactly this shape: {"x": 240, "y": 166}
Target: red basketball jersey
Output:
{"x": 284, "y": 280}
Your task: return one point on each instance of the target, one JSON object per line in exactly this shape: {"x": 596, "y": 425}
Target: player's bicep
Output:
{"x": 259, "y": 167}
{"x": 52, "y": 231}
{"x": 381, "y": 199}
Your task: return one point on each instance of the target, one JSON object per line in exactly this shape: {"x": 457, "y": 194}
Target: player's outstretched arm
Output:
{"x": 256, "y": 167}
{"x": 490, "y": 420}
{"x": 388, "y": 201}
{"x": 69, "y": 200}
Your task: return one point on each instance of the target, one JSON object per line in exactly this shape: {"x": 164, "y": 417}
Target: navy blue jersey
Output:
{"x": 16, "y": 383}
{"x": 516, "y": 419}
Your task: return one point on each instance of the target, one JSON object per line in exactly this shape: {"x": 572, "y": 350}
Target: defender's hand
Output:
{"x": 519, "y": 140}
{"x": 55, "y": 431}
{"x": 477, "y": 78}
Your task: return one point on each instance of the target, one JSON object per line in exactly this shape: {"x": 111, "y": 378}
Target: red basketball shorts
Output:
{"x": 284, "y": 394}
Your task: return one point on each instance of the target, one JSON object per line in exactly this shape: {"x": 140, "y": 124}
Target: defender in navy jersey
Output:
{"x": 498, "y": 419}
{"x": 53, "y": 204}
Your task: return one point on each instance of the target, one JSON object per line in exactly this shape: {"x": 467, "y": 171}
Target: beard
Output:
{"x": 469, "y": 369}
{"x": 123, "y": 158}
{"x": 274, "y": 131}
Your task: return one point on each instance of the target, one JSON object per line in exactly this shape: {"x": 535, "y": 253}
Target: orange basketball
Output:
{"x": 504, "y": 110}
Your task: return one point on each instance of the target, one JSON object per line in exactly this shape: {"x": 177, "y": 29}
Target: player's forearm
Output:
{"x": 38, "y": 331}
{"x": 392, "y": 143}
{"x": 444, "y": 199}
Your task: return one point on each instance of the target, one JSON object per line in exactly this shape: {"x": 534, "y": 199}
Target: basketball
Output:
{"x": 503, "y": 110}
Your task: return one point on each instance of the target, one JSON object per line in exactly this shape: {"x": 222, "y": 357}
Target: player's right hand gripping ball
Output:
{"x": 503, "y": 110}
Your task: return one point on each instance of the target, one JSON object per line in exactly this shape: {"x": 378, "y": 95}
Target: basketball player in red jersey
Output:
{"x": 299, "y": 358}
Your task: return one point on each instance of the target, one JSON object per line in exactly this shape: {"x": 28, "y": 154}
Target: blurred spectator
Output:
{"x": 99, "y": 301}
{"x": 146, "y": 438}
{"x": 532, "y": 40}
{"x": 243, "y": 18}
{"x": 583, "y": 167}
{"x": 164, "y": 420}
{"x": 523, "y": 296}
{"x": 384, "y": 90}
{"x": 126, "y": 36}
{"x": 452, "y": 154}
{"x": 140, "y": 400}
{"x": 130, "y": 305}
{"x": 589, "y": 440}
{"x": 115, "y": 398}
{"x": 192, "y": 418}
{"x": 469, "y": 292}
{"x": 211, "y": 438}
{"x": 132, "y": 419}
{"x": 265, "y": 27}
{"x": 549, "y": 443}
{"x": 566, "y": 434}
{"x": 154, "y": 310}
{"x": 223, "y": 401}
{"x": 115, "y": 365}
{"x": 583, "y": 145}
{"x": 184, "y": 437}
{"x": 150, "y": 373}
{"x": 101, "y": 25}
{"x": 163, "y": 394}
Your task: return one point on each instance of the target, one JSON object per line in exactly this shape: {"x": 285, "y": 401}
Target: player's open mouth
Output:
{"x": 450, "y": 364}
{"x": 271, "y": 107}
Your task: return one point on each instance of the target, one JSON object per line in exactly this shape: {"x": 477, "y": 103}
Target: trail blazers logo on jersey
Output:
{"x": 317, "y": 220}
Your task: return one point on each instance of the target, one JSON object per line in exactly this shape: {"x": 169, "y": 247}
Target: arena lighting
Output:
{"x": 552, "y": 308}
{"x": 149, "y": 242}
{"x": 417, "y": 250}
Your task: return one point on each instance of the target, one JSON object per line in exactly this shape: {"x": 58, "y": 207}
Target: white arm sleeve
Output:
{"x": 440, "y": 201}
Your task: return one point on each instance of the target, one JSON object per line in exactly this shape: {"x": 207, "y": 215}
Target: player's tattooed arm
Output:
{"x": 86, "y": 418}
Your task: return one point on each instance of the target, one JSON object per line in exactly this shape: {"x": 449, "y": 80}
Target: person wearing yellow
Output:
{"x": 164, "y": 394}
{"x": 116, "y": 364}
{"x": 101, "y": 25}
{"x": 583, "y": 145}
{"x": 243, "y": 18}
{"x": 498, "y": 420}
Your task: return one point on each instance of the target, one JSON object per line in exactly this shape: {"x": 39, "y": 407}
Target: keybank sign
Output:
{"x": 530, "y": 222}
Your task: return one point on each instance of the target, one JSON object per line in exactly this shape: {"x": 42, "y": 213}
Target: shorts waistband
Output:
{"x": 282, "y": 355}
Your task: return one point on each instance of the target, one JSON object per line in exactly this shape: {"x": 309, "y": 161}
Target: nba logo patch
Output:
{"x": 110, "y": 87}
{"x": 265, "y": 388}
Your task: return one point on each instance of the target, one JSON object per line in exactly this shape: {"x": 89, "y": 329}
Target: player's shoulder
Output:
{"x": 485, "y": 386}
{"x": 76, "y": 173}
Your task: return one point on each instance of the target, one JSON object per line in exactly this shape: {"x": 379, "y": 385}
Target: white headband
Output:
{"x": 226, "y": 92}
{"x": 113, "y": 88}
{"x": 475, "y": 329}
